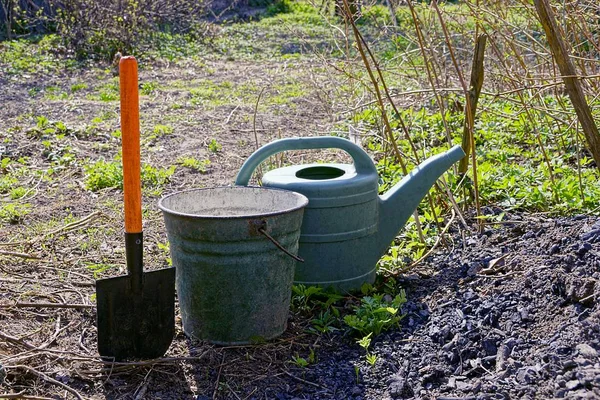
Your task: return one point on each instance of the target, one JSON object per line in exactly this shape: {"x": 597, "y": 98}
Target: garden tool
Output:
{"x": 136, "y": 312}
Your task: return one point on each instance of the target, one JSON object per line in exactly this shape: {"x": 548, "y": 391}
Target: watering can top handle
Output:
{"x": 362, "y": 161}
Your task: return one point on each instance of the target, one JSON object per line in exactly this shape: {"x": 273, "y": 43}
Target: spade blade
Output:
{"x": 136, "y": 325}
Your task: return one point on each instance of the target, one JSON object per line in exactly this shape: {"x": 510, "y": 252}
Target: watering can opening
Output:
{"x": 320, "y": 173}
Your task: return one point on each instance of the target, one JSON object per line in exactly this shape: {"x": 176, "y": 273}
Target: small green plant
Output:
{"x": 17, "y": 193}
{"x": 103, "y": 174}
{"x": 13, "y": 213}
{"x": 99, "y": 269}
{"x": 109, "y": 174}
{"x": 148, "y": 88}
{"x": 374, "y": 314}
{"x": 305, "y": 299}
{"x": 7, "y": 182}
{"x": 156, "y": 177}
{"x": 162, "y": 130}
{"x": 194, "y": 163}
{"x": 325, "y": 322}
{"x": 164, "y": 247}
{"x": 371, "y": 359}
{"x": 365, "y": 343}
{"x": 78, "y": 87}
{"x": 214, "y": 146}
{"x": 299, "y": 361}
{"x": 304, "y": 362}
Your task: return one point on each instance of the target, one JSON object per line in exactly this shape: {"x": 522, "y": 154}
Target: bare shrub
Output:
{"x": 103, "y": 27}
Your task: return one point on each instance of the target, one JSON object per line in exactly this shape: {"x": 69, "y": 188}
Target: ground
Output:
{"x": 507, "y": 310}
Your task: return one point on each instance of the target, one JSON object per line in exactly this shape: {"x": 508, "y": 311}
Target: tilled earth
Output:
{"x": 510, "y": 313}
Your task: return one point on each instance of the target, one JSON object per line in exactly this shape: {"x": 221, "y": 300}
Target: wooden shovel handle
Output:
{"x": 130, "y": 138}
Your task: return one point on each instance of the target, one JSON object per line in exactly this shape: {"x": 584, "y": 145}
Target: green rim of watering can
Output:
{"x": 362, "y": 162}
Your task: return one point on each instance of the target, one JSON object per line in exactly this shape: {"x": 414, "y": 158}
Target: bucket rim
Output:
{"x": 303, "y": 202}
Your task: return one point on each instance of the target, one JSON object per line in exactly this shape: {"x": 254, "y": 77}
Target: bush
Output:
{"x": 103, "y": 27}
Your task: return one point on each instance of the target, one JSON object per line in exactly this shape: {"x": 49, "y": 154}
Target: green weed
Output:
{"x": 193, "y": 163}
{"x": 14, "y": 213}
{"x": 109, "y": 174}
{"x": 77, "y": 87}
{"x": 374, "y": 314}
{"x": 148, "y": 88}
{"x": 162, "y": 130}
{"x": 103, "y": 174}
{"x": 18, "y": 192}
{"x": 99, "y": 269}
{"x": 214, "y": 146}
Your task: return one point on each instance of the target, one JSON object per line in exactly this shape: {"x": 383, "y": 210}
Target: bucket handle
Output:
{"x": 260, "y": 226}
{"x": 362, "y": 162}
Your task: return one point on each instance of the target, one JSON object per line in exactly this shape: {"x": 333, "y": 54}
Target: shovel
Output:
{"x": 136, "y": 312}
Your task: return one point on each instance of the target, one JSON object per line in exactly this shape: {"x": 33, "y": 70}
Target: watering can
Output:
{"x": 347, "y": 226}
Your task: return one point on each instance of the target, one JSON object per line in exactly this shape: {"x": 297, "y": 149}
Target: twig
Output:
{"x": 232, "y": 391}
{"x": 18, "y": 341}
{"x": 20, "y": 255}
{"x": 47, "y": 305}
{"x": 141, "y": 391}
{"x": 75, "y": 224}
{"x": 303, "y": 380}
{"x": 437, "y": 242}
{"x": 48, "y": 379}
{"x": 81, "y": 345}
{"x": 254, "y": 117}
{"x": 22, "y": 395}
{"x": 218, "y": 377}
{"x": 231, "y": 114}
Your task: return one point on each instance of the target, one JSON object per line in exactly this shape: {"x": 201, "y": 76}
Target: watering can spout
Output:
{"x": 398, "y": 203}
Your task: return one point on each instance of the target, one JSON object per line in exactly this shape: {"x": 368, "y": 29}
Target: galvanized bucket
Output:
{"x": 228, "y": 246}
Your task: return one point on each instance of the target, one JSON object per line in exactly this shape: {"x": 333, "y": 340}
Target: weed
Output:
{"x": 365, "y": 343}
{"x": 78, "y": 87}
{"x": 148, "y": 88}
{"x": 18, "y": 192}
{"x": 99, "y": 269}
{"x": 155, "y": 177}
{"x": 214, "y": 146}
{"x": 54, "y": 93}
{"x": 306, "y": 299}
{"x": 7, "y": 182}
{"x": 375, "y": 314}
{"x": 304, "y": 362}
{"x": 194, "y": 163}
{"x": 166, "y": 250}
{"x": 103, "y": 174}
{"x": 13, "y": 213}
{"x": 326, "y": 322}
{"x": 162, "y": 130}
{"x": 371, "y": 359}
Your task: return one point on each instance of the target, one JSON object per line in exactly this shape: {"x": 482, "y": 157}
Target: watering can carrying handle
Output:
{"x": 362, "y": 162}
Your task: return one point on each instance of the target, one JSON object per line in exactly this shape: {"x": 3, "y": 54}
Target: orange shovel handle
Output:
{"x": 130, "y": 138}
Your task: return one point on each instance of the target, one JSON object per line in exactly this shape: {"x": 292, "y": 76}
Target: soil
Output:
{"x": 508, "y": 313}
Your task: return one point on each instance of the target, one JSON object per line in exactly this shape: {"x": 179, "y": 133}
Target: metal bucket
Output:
{"x": 233, "y": 283}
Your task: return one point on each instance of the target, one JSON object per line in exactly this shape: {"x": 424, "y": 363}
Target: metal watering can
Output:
{"x": 347, "y": 225}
